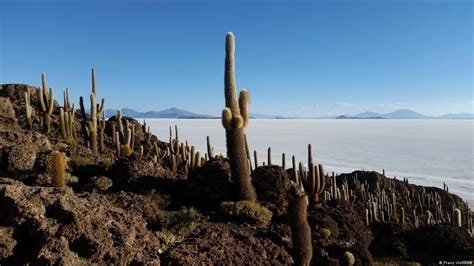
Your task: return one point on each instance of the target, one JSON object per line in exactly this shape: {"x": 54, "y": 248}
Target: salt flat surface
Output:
{"x": 428, "y": 152}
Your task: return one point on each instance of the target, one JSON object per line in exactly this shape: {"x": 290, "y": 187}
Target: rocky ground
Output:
{"x": 139, "y": 210}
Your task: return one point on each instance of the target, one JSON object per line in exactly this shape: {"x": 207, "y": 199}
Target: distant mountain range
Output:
{"x": 405, "y": 114}
{"x": 174, "y": 112}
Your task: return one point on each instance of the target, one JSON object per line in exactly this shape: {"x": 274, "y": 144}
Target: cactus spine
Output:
{"x": 47, "y": 104}
{"x": 300, "y": 229}
{"x": 58, "y": 169}
{"x": 234, "y": 119}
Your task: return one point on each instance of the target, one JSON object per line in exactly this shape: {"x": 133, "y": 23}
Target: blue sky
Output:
{"x": 295, "y": 57}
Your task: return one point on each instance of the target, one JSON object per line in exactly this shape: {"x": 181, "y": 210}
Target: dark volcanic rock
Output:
{"x": 227, "y": 244}
{"x": 337, "y": 228}
{"x": 7, "y": 113}
{"x": 430, "y": 244}
{"x": 59, "y": 227}
{"x": 19, "y": 158}
{"x": 211, "y": 184}
{"x": 388, "y": 240}
{"x": 131, "y": 168}
{"x": 98, "y": 184}
{"x": 271, "y": 184}
{"x": 7, "y": 242}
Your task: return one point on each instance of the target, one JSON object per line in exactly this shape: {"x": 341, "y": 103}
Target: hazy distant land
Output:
{"x": 174, "y": 112}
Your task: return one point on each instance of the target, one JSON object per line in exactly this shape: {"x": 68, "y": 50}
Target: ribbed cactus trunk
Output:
{"x": 93, "y": 124}
{"x": 234, "y": 120}
{"x": 300, "y": 229}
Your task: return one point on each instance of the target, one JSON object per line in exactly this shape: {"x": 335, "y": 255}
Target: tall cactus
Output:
{"x": 90, "y": 123}
{"x": 47, "y": 103}
{"x": 300, "y": 229}
{"x": 28, "y": 109}
{"x": 234, "y": 120}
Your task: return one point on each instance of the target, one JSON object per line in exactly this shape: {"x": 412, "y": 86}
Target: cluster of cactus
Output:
{"x": 313, "y": 180}
{"x": 90, "y": 123}
{"x": 182, "y": 157}
{"x": 124, "y": 138}
{"x": 46, "y": 108}
{"x": 147, "y": 131}
{"x": 382, "y": 205}
{"x": 234, "y": 120}
{"x": 67, "y": 119}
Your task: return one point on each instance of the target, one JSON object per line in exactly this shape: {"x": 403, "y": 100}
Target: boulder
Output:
{"x": 227, "y": 244}
{"x": 19, "y": 158}
{"x": 271, "y": 184}
{"x": 59, "y": 227}
{"x": 211, "y": 184}
{"x": 336, "y": 229}
{"x": 7, "y": 114}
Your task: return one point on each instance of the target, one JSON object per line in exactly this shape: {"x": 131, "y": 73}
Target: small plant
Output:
{"x": 177, "y": 225}
{"x": 348, "y": 259}
{"x": 158, "y": 199}
{"x": 247, "y": 210}
{"x": 325, "y": 233}
{"x": 58, "y": 169}
{"x": 125, "y": 150}
{"x": 78, "y": 161}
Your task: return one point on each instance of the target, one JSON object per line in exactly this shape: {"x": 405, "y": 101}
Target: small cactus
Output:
{"x": 58, "y": 169}
{"x": 125, "y": 150}
{"x": 348, "y": 259}
{"x": 89, "y": 126}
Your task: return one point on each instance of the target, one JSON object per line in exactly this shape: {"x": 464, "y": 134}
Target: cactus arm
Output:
{"x": 41, "y": 98}
{"x": 93, "y": 82}
{"x": 51, "y": 101}
{"x": 62, "y": 124}
{"x": 244, "y": 99}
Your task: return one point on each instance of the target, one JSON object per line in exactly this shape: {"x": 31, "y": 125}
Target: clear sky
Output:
{"x": 306, "y": 58}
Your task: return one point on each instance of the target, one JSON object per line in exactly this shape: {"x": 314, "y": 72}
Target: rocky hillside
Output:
{"x": 139, "y": 200}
